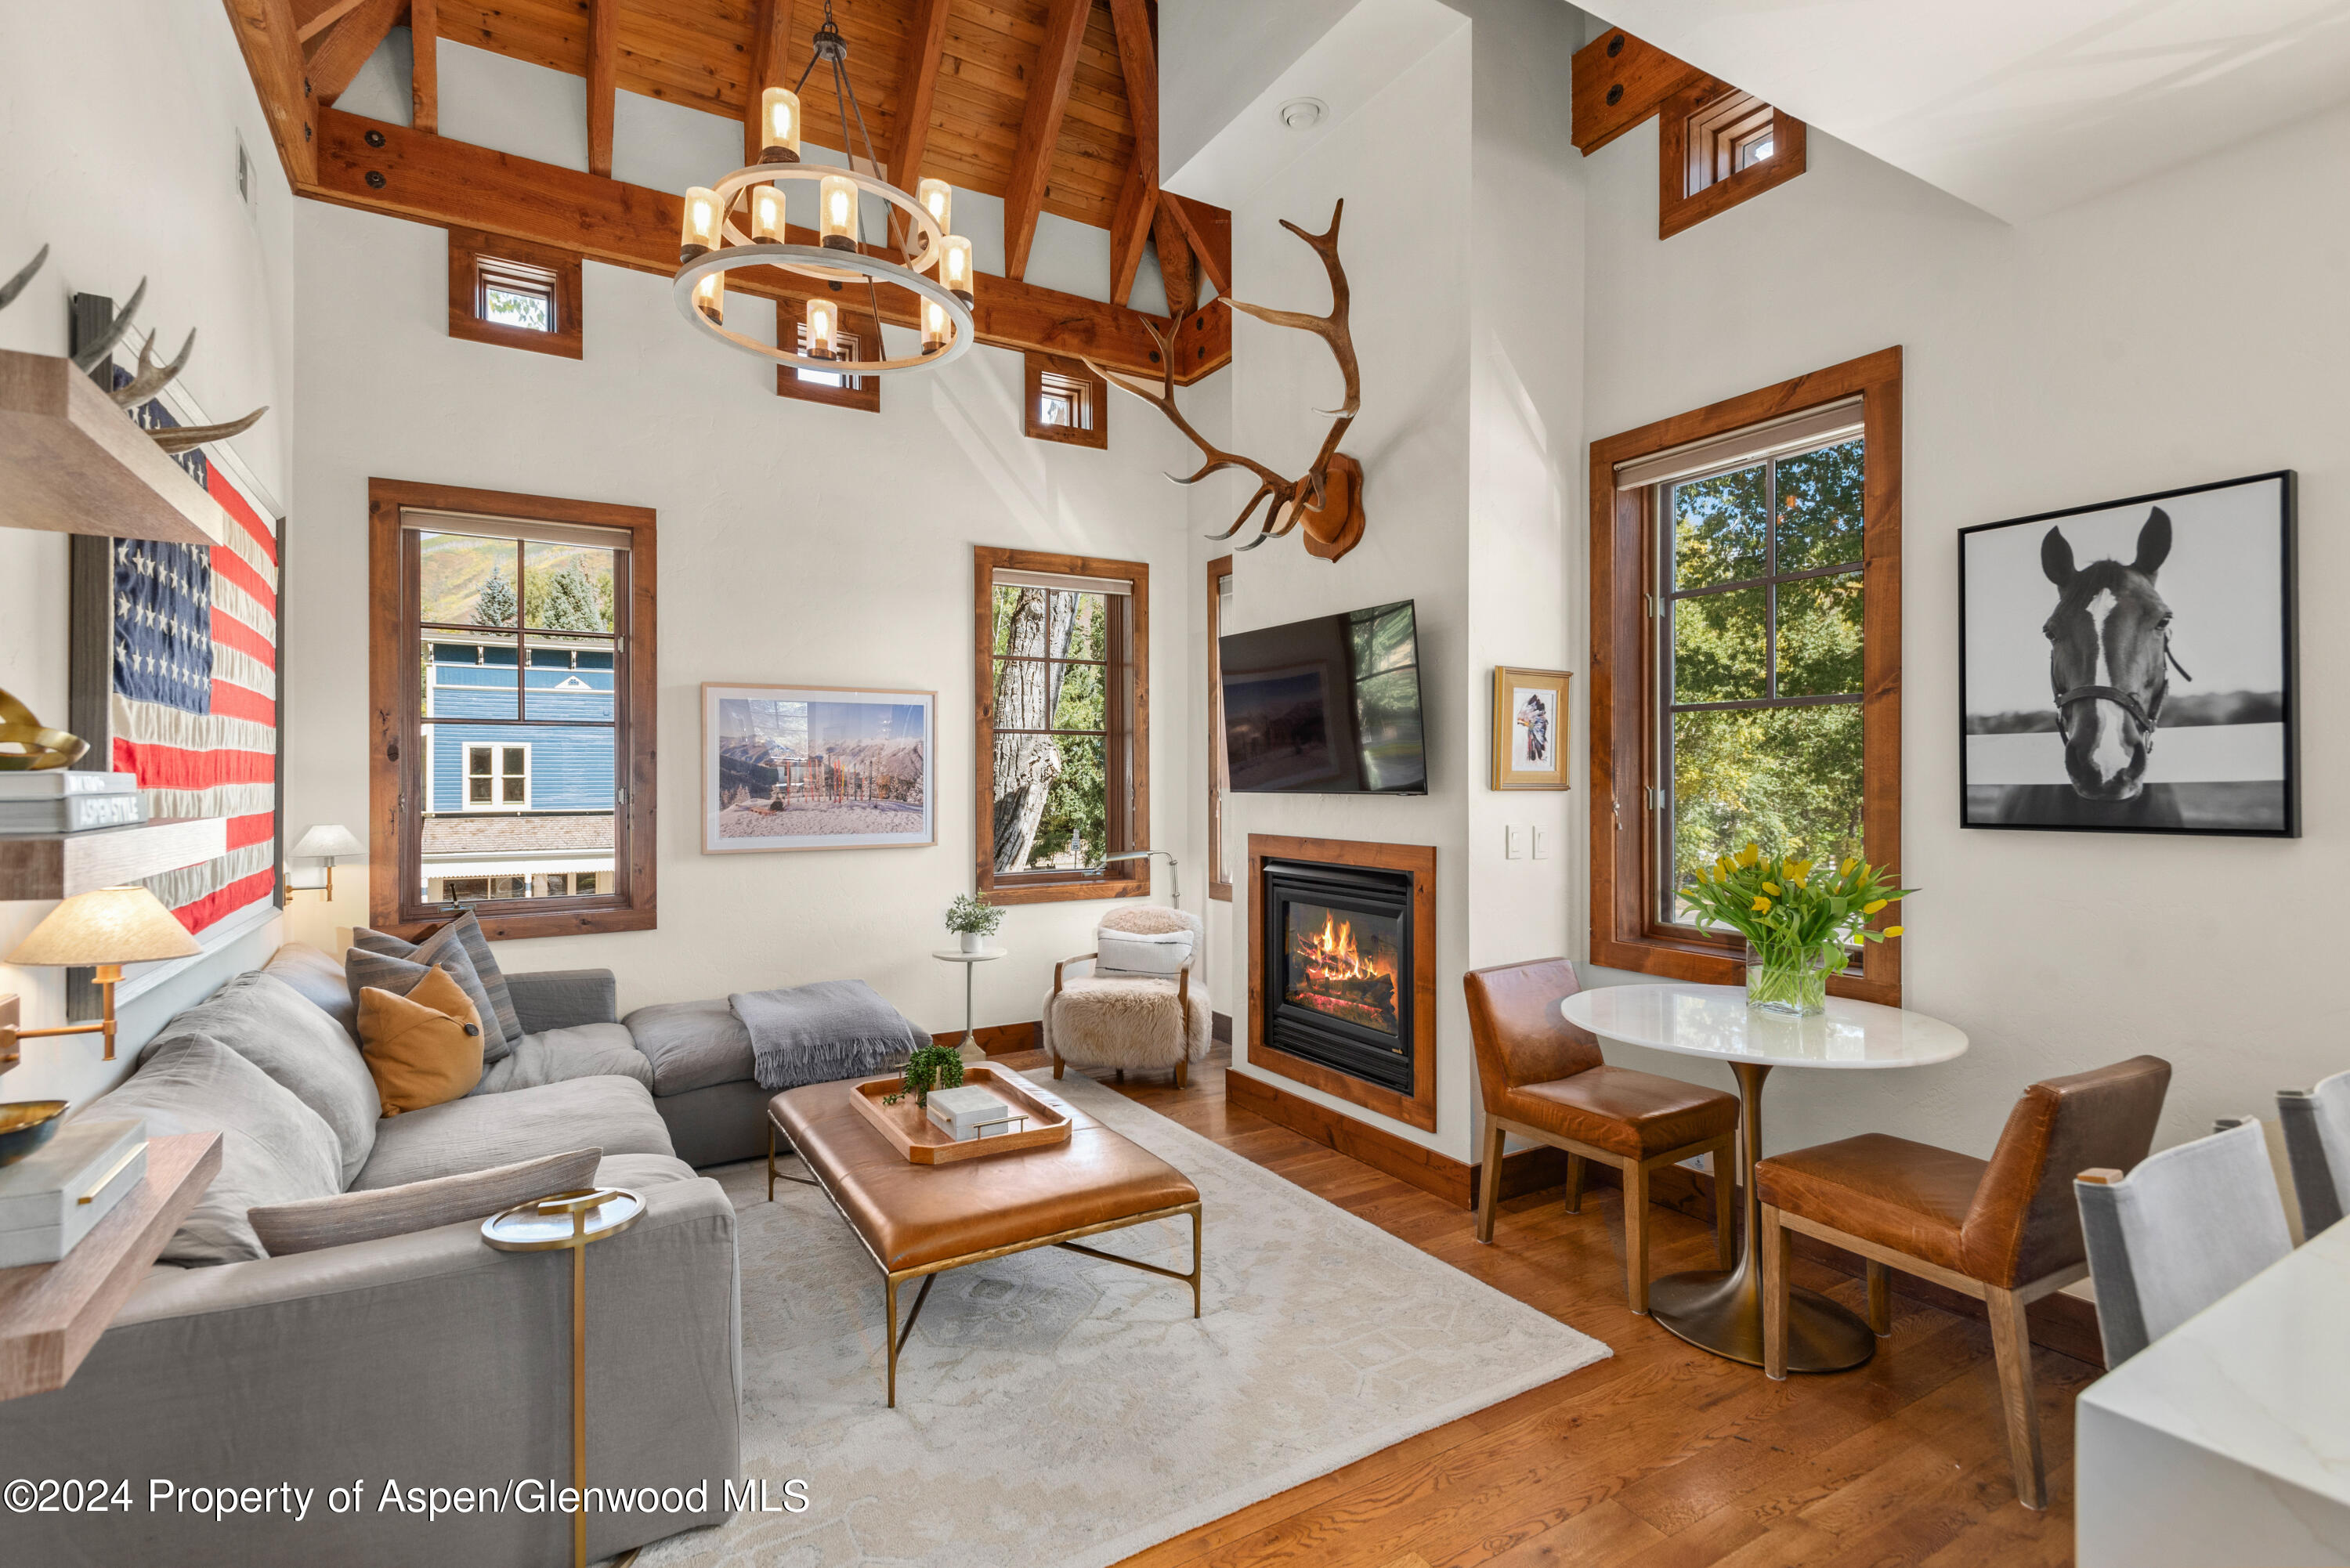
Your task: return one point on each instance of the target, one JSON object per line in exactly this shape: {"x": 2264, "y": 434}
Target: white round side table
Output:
{"x": 969, "y": 1046}
{"x": 1723, "y": 1312}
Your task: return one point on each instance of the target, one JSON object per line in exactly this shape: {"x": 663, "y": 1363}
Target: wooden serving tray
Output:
{"x": 910, "y": 1131}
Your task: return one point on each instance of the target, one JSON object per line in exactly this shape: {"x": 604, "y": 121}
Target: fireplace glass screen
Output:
{"x": 1342, "y": 965}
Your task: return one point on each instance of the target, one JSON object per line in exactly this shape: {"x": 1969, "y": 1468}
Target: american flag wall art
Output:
{"x": 190, "y": 687}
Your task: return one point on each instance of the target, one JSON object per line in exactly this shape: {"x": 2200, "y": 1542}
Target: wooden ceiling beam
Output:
{"x": 334, "y": 58}
{"x": 424, "y": 82}
{"x": 1040, "y": 129}
{"x": 770, "y": 51}
{"x": 267, "y": 34}
{"x": 918, "y": 86}
{"x": 1137, "y": 204}
{"x": 1210, "y": 231}
{"x": 1175, "y": 261}
{"x": 450, "y": 183}
{"x": 603, "y": 81}
{"x": 312, "y": 17}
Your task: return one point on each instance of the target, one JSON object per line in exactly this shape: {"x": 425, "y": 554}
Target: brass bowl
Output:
{"x": 25, "y": 1126}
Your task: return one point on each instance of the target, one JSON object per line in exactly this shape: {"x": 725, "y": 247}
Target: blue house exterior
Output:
{"x": 559, "y": 769}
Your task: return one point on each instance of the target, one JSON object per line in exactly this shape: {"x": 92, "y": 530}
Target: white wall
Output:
{"x": 120, "y": 122}
{"x": 798, "y": 544}
{"x": 2187, "y": 328}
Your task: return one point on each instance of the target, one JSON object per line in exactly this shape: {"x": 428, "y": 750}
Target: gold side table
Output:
{"x": 568, "y": 1221}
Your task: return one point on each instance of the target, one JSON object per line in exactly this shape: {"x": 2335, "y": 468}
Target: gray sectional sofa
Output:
{"x": 420, "y": 1360}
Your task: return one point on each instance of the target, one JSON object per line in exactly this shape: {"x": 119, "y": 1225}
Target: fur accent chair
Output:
{"x": 1099, "y": 1017}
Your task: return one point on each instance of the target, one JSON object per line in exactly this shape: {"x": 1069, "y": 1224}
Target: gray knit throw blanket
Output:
{"x": 815, "y": 1034}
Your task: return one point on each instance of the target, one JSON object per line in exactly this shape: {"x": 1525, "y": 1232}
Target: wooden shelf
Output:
{"x": 60, "y": 865}
{"x": 72, "y": 463}
{"x": 52, "y": 1313}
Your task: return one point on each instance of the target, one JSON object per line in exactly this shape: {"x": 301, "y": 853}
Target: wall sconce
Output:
{"x": 329, "y": 843}
{"x": 108, "y": 927}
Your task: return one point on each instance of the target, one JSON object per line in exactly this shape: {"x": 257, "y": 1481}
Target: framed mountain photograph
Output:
{"x": 2130, "y": 666}
{"x": 815, "y": 767}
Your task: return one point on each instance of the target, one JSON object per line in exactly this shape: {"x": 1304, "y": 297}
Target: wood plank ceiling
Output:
{"x": 1031, "y": 100}
{"x": 703, "y": 54}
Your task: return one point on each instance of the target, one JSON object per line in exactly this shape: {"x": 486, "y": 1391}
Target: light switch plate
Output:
{"x": 1542, "y": 842}
{"x": 1514, "y": 839}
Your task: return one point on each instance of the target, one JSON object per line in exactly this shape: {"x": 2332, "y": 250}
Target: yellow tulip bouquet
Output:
{"x": 1798, "y": 927}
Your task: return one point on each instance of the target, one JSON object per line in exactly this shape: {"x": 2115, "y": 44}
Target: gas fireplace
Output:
{"x": 1337, "y": 964}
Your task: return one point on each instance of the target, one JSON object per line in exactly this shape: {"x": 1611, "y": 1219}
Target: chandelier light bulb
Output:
{"x": 837, "y": 200}
{"x": 823, "y": 329}
{"x": 937, "y": 198}
{"x": 935, "y": 328}
{"x": 702, "y": 217}
{"x": 766, "y": 215}
{"x": 954, "y": 266}
{"x": 779, "y": 126}
{"x": 709, "y": 295}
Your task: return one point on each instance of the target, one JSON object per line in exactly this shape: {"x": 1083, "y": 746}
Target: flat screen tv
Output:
{"x": 1327, "y": 706}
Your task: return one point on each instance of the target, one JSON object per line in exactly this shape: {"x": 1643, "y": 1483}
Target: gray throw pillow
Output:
{"x": 287, "y": 1035}
{"x": 348, "y": 1217}
{"x": 464, "y": 932}
{"x": 399, "y": 976}
{"x": 273, "y": 1149}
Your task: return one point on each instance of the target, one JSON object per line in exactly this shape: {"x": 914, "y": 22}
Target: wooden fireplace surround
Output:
{"x": 1418, "y": 1108}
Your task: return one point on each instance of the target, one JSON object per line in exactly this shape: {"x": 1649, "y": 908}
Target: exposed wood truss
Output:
{"x": 1040, "y": 129}
{"x": 772, "y": 29}
{"x": 440, "y": 182}
{"x": 333, "y": 57}
{"x": 1137, "y": 205}
{"x": 267, "y": 33}
{"x": 426, "y": 85}
{"x": 603, "y": 87}
{"x": 919, "y": 85}
{"x": 1209, "y": 230}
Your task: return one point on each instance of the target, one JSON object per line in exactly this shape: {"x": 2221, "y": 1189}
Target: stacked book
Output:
{"x": 970, "y": 1112}
{"x": 55, "y": 800}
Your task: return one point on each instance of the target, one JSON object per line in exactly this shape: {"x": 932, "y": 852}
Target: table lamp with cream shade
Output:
{"x": 105, "y": 928}
{"x": 328, "y": 842}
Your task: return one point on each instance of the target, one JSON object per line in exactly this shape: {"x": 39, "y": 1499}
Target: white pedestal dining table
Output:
{"x": 1722, "y": 1311}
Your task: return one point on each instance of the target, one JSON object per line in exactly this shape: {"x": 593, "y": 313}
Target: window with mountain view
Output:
{"x": 1062, "y": 665}
{"x": 514, "y": 761}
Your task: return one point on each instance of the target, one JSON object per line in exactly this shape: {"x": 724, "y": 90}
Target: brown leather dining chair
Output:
{"x": 2005, "y": 1231}
{"x": 1546, "y": 1081}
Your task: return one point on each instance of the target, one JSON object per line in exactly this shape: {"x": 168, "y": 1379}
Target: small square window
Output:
{"x": 1066, "y": 402}
{"x": 519, "y": 296}
{"x": 858, "y": 335}
{"x": 1719, "y": 147}
{"x": 515, "y": 303}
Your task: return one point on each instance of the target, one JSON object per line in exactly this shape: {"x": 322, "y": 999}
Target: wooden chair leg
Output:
{"x": 2011, "y": 1342}
{"x": 1725, "y": 1205}
{"x": 1776, "y": 1255}
{"x": 1057, "y": 1064}
{"x": 1121, "y": 1074}
{"x": 1489, "y": 1182}
{"x": 1880, "y": 1299}
{"x": 1636, "y": 1234}
{"x": 1180, "y": 1069}
{"x": 1575, "y": 1184}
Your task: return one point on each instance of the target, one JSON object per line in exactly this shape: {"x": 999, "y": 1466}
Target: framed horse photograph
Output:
{"x": 2130, "y": 666}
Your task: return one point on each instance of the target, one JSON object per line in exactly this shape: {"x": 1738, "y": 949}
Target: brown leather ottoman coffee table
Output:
{"x": 920, "y": 1220}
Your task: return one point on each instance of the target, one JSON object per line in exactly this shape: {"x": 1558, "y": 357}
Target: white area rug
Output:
{"x": 1055, "y": 1412}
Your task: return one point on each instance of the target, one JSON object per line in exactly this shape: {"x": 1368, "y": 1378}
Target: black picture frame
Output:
{"x": 2198, "y": 808}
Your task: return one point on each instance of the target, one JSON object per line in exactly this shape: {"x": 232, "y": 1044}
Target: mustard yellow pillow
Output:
{"x": 424, "y": 1048}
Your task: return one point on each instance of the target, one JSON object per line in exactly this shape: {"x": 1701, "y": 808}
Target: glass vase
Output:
{"x": 1793, "y": 983}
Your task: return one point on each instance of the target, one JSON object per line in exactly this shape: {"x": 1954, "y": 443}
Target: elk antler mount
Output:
{"x": 1326, "y": 501}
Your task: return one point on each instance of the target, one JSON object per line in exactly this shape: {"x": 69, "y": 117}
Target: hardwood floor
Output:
{"x": 1663, "y": 1454}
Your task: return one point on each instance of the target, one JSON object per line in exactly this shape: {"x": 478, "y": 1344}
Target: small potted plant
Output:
{"x": 974, "y": 920}
{"x": 930, "y": 1067}
{"x": 1799, "y": 928}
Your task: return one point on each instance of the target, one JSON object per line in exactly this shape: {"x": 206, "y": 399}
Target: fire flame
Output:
{"x": 1332, "y": 953}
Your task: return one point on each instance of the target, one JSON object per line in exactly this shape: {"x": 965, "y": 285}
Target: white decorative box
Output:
{"x": 970, "y": 1112}
{"x": 51, "y": 1197}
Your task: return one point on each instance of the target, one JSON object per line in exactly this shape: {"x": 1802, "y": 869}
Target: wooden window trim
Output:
{"x": 1220, "y": 783}
{"x": 1678, "y": 204}
{"x": 1625, "y": 931}
{"x": 1129, "y": 815}
{"x": 1095, "y": 433}
{"x": 395, "y": 650}
{"x": 467, "y": 249}
{"x": 855, "y": 331}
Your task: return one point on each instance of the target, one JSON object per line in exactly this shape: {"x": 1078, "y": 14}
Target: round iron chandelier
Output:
{"x": 739, "y": 221}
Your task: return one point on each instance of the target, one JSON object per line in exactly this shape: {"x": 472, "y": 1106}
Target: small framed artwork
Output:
{"x": 2130, "y": 666}
{"x": 1530, "y": 728}
{"x": 815, "y": 767}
